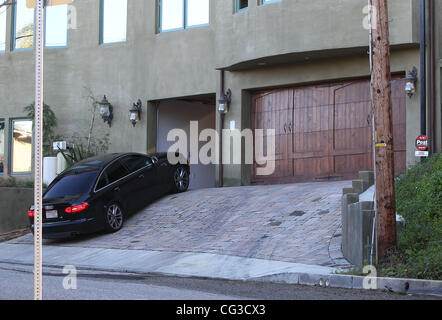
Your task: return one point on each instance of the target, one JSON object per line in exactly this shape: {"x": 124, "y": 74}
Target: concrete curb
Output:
{"x": 396, "y": 285}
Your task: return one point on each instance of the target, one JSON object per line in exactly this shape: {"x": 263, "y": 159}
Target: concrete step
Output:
{"x": 367, "y": 176}
{"x": 358, "y": 186}
{"x": 347, "y": 191}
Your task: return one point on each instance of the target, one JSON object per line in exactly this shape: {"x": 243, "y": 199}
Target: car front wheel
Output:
{"x": 114, "y": 218}
{"x": 181, "y": 179}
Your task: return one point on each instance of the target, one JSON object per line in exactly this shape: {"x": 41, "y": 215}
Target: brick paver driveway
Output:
{"x": 296, "y": 223}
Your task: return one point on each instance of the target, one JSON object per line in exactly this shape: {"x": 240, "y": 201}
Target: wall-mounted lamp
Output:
{"x": 135, "y": 112}
{"x": 224, "y": 102}
{"x": 410, "y": 86}
{"x": 106, "y": 111}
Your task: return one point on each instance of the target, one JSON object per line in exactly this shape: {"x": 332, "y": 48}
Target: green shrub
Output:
{"x": 83, "y": 148}
{"x": 419, "y": 201}
{"x": 49, "y": 124}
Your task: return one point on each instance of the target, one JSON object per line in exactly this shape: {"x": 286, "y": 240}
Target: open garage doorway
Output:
{"x": 177, "y": 114}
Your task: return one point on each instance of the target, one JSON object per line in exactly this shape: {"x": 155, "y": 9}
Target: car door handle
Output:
{"x": 141, "y": 176}
{"x": 117, "y": 189}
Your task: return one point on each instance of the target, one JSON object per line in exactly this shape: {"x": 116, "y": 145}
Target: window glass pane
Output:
{"x": 24, "y": 26}
{"x": 242, "y": 4}
{"x": 71, "y": 185}
{"x": 102, "y": 182}
{"x": 115, "y": 172}
{"x": 114, "y": 24}
{"x": 269, "y": 1}
{"x": 2, "y": 146}
{"x": 197, "y": 12}
{"x": 56, "y": 26}
{"x": 172, "y": 14}
{"x": 3, "y": 28}
{"x": 21, "y": 146}
{"x": 135, "y": 163}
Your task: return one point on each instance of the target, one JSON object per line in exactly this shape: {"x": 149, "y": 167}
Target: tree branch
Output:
{"x": 7, "y": 3}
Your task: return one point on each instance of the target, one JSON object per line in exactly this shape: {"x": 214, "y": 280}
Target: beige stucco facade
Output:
{"x": 291, "y": 42}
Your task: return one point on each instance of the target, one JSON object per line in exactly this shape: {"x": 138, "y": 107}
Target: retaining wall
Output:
{"x": 357, "y": 221}
{"x": 14, "y": 204}
{"x": 358, "y": 213}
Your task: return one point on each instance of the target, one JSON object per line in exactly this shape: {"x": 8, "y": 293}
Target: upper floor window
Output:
{"x": 113, "y": 21}
{"x": 23, "y": 31}
{"x": 269, "y": 1}
{"x": 242, "y": 5}
{"x": 56, "y": 26}
{"x": 182, "y": 14}
{"x": 3, "y": 28}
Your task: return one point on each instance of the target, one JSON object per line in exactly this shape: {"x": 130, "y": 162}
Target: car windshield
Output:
{"x": 75, "y": 183}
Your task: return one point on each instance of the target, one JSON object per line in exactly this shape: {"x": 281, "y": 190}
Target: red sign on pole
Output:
{"x": 422, "y": 143}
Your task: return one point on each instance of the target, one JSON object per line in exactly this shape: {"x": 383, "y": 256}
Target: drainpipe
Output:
{"x": 221, "y": 126}
{"x": 432, "y": 78}
{"x": 423, "y": 67}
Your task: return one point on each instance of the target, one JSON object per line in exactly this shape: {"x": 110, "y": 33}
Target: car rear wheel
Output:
{"x": 114, "y": 218}
{"x": 181, "y": 179}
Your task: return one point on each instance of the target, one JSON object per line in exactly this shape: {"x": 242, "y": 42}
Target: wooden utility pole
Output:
{"x": 382, "y": 105}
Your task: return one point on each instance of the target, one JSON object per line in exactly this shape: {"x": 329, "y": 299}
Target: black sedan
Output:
{"x": 99, "y": 193}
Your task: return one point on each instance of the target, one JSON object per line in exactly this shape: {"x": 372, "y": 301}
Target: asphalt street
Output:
{"x": 16, "y": 283}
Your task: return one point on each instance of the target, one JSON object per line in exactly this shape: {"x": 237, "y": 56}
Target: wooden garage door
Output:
{"x": 324, "y": 132}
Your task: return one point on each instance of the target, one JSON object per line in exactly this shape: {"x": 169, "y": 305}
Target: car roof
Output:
{"x": 93, "y": 164}
{"x": 96, "y": 163}
{"x": 99, "y": 162}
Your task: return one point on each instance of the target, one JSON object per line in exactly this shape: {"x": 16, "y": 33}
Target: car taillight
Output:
{"x": 31, "y": 213}
{"x": 76, "y": 209}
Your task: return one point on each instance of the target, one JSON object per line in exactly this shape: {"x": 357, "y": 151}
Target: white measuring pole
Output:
{"x": 38, "y": 149}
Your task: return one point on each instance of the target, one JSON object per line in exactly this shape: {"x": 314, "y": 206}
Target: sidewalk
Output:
{"x": 201, "y": 265}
